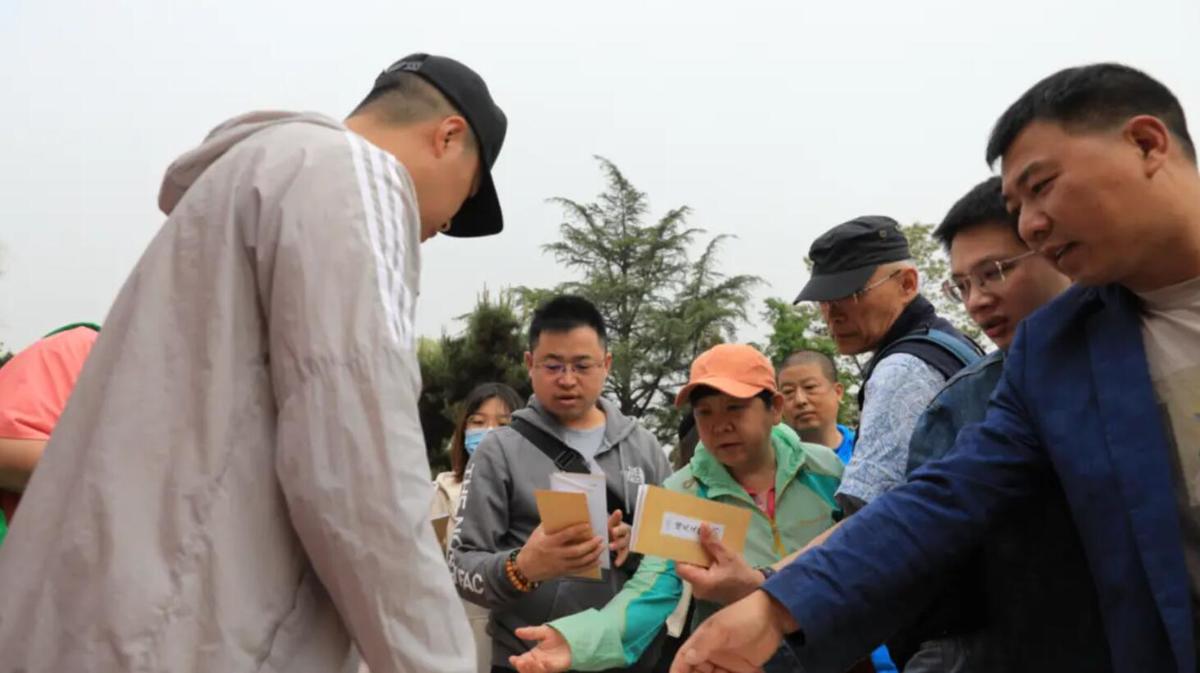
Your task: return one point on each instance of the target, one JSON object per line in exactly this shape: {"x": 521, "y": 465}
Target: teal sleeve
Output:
{"x": 618, "y": 634}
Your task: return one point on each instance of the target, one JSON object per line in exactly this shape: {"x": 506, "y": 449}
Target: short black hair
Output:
{"x": 563, "y": 314}
{"x": 1091, "y": 97}
{"x": 984, "y": 204}
{"x": 700, "y": 392}
{"x": 409, "y": 99}
{"x": 823, "y": 360}
{"x": 689, "y": 437}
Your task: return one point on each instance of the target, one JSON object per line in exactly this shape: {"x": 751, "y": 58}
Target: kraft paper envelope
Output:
{"x": 560, "y": 509}
{"x": 440, "y": 524}
{"x": 667, "y": 524}
{"x": 594, "y": 487}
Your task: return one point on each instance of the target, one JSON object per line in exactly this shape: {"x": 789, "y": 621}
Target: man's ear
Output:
{"x": 452, "y": 131}
{"x": 839, "y": 391}
{"x": 776, "y": 409}
{"x": 910, "y": 282}
{"x": 1152, "y": 139}
{"x": 529, "y": 362}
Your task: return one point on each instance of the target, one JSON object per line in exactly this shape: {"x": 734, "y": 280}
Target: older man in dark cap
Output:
{"x": 868, "y": 289}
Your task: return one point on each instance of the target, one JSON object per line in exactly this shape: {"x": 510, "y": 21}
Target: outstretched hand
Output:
{"x": 551, "y": 655}
{"x": 737, "y": 639}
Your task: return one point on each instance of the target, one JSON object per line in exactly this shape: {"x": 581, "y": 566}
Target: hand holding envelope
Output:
{"x": 668, "y": 523}
{"x": 574, "y": 498}
{"x": 559, "y": 548}
{"x": 619, "y": 535}
{"x": 729, "y": 578}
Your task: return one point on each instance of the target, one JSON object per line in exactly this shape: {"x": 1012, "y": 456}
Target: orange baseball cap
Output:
{"x": 737, "y": 370}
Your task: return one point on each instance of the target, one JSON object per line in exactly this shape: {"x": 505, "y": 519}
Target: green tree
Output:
{"x": 490, "y": 348}
{"x": 801, "y": 328}
{"x": 662, "y": 306}
{"x": 934, "y": 267}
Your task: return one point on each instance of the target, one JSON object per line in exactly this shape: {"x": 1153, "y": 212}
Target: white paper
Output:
{"x": 638, "y": 508}
{"x": 594, "y": 487}
{"x": 687, "y": 528}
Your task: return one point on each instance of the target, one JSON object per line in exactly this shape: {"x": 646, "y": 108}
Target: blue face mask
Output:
{"x": 472, "y": 438}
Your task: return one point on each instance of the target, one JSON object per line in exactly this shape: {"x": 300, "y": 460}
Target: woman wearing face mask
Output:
{"x": 487, "y": 407}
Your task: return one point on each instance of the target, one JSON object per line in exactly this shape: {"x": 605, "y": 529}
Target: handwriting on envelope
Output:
{"x": 687, "y": 528}
{"x": 667, "y": 524}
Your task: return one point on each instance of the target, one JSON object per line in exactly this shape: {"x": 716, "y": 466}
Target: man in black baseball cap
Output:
{"x": 295, "y": 529}
{"x": 419, "y": 94}
{"x": 868, "y": 290}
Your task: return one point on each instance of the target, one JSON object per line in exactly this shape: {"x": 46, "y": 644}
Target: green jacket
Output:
{"x": 807, "y": 476}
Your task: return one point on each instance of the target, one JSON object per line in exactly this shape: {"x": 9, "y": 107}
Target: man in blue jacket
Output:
{"x": 1101, "y": 388}
{"x": 1032, "y": 560}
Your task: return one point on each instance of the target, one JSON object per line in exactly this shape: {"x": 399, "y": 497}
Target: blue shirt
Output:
{"x": 900, "y": 388}
{"x": 846, "y": 448}
{"x": 880, "y": 658}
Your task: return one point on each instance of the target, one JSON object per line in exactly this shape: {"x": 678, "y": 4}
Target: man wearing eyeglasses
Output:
{"x": 868, "y": 289}
{"x": 1033, "y": 561}
{"x": 500, "y": 555}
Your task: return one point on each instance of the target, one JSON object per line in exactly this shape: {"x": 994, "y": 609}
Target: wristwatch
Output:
{"x": 766, "y": 571}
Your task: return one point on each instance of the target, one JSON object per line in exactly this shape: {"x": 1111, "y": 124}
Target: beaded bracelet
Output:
{"x": 515, "y": 576}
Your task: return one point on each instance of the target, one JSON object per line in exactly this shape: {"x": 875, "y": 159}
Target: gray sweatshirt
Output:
{"x": 239, "y": 482}
{"x": 497, "y": 513}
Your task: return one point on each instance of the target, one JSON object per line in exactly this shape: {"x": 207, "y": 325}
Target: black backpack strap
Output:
{"x": 566, "y": 459}
{"x": 940, "y": 350}
{"x": 947, "y": 353}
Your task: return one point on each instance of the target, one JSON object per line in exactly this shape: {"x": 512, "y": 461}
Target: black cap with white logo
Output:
{"x": 465, "y": 89}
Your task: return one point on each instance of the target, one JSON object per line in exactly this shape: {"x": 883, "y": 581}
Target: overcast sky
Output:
{"x": 773, "y": 121}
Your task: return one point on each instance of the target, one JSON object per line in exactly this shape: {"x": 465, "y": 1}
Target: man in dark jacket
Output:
{"x": 1033, "y": 561}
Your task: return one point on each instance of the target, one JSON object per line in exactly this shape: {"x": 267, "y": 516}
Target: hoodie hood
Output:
{"x": 185, "y": 170}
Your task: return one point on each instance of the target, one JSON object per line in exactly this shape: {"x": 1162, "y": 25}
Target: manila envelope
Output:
{"x": 668, "y": 525}
{"x": 560, "y": 509}
{"x": 440, "y": 525}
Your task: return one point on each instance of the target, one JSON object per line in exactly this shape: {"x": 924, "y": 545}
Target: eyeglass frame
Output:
{"x": 548, "y": 368}
{"x": 975, "y": 278}
{"x": 858, "y": 294}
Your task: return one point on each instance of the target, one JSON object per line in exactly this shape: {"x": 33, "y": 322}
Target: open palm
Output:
{"x": 552, "y": 654}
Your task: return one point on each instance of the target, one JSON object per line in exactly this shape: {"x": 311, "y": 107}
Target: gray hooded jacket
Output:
{"x": 239, "y": 482}
{"x": 497, "y": 513}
